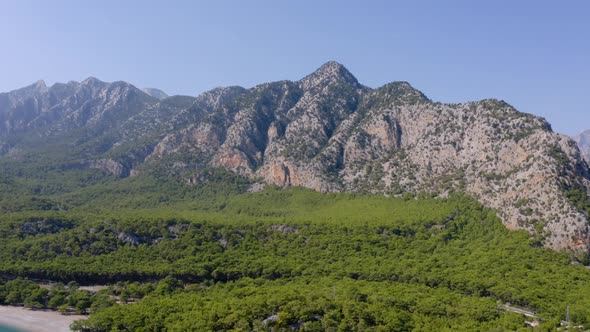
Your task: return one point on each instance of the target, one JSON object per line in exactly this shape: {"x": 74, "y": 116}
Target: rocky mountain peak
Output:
{"x": 397, "y": 92}
{"x": 36, "y": 88}
{"x": 121, "y": 85}
{"x": 40, "y": 85}
{"x": 156, "y": 93}
{"x": 330, "y": 72}
{"x": 92, "y": 81}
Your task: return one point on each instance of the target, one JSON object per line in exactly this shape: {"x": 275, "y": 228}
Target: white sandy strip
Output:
{"x": 36, "y": 321}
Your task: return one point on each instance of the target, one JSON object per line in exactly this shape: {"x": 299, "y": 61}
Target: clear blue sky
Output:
{"x": 533, "y": 54}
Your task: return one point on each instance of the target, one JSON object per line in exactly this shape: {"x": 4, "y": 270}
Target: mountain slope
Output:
{"x": 583, "y": 141}
{"x": 329, "y": 133}
{"x": 91, "y": 105}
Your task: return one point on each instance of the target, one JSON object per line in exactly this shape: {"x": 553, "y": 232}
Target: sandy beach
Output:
{"x": 36, "y": 321}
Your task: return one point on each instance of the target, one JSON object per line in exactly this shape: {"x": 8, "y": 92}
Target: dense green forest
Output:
{"x": 286, "y": 259}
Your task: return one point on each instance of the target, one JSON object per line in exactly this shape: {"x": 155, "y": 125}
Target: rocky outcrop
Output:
{"x": 583, "y": 141}
{"x": 130, "y": 239}
{"x": 110, "y": 166}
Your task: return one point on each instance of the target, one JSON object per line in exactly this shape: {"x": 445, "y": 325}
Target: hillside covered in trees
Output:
{"x": 294, "y": 259}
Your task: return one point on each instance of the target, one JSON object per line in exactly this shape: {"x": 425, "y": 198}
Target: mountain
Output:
{"x": 61, "y": 108}
{"x": 583, "y": 141}
{"x": 327, "y": 132}
{"x": 156, "y": 93}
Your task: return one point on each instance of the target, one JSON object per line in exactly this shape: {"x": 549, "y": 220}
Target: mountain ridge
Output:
{"x": 156, "y": 93}
{"x": 328, "y": 132}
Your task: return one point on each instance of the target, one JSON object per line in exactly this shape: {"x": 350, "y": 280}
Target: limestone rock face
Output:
{"x": 326, "y": 132}
{"x": 583, "y": 141}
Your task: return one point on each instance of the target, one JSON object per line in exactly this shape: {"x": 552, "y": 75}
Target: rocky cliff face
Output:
{"x": 583, "y": 141}
{"x": 328, "y": 132}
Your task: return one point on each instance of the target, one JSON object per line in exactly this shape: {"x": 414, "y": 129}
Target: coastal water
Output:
{"x": 6, "y": 328}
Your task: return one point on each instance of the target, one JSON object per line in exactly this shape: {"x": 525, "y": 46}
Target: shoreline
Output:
{"x": 36, "y": 320}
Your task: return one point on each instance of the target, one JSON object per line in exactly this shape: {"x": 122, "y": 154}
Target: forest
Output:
{"x": 287, "y": 260}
